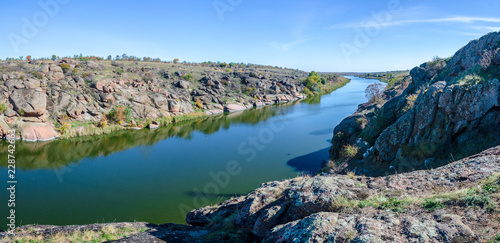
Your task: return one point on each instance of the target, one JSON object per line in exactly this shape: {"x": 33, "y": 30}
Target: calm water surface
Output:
{"x": 156, "y": 176}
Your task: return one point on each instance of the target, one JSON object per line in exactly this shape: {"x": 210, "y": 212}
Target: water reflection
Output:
{"x": 59, "y": 153}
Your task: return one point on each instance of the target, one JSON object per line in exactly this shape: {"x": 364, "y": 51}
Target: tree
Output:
{"x": 109, "y": 58}
{"x": 374, "y": 92}
{"x": 28, "y": 58}
{"x": 312, "y": 80}
{"x": 54, "y": 57}
{"x": 176, "y": 60}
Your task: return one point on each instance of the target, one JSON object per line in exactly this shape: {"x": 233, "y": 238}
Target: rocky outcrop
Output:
{"x": 70, "y": 90}
{"x": 37, "y": 132}
{"x": 314, "y": 209}
{"x": 451, "y": 109}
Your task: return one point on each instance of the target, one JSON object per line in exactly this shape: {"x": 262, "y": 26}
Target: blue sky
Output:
{"x": 309, "y": 35}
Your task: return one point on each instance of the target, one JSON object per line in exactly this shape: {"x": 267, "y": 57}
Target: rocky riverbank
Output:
{"x": 458, "y": 202}
{"x": 44, "y": 99}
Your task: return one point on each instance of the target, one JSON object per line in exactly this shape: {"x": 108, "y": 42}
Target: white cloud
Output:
{"x": 286, "y": 46}
{"x": 460, "y": 19}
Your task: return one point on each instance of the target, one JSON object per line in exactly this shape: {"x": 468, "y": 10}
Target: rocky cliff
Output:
{"x": 449, "y": 110}
{"x": 42, "y": 98}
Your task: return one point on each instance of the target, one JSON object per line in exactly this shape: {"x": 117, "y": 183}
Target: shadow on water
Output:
{"x": 60, "y": 153}
{"x": 311, "y": 162}
{"x": 214, "y": 195}
{"x": 322, "y": 132}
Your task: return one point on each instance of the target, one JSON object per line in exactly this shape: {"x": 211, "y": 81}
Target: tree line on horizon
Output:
{"x": 125, "y": 57}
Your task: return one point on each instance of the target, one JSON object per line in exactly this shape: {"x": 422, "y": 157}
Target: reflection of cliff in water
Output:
{"x": 313, "y": 99}
{"x": 58, "y": 153}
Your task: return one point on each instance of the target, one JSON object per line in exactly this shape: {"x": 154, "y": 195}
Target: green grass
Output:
{"x": 495, "y": 239}
{"x": 433, "y": 204}
{"x": 484, "y": 195}
{"x": 3, "y": 107}
{"x": 106, "y": 233}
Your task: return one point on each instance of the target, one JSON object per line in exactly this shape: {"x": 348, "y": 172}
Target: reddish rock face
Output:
{"x": 29, "y": 102}
{"x": 38, "y": 132}
{"x": 234, "y": 107}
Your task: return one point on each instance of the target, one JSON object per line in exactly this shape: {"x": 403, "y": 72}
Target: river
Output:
{"x": 157, "y": 176}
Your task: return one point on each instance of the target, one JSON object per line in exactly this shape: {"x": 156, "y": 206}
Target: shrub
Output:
{"x": 187, "y": 77}
{"x": 120, "y": 114}
{"x": 410, "y": 102}
{"x": 312, "y": 81}
{"x": 64, "y": 127}
{"x": 103, "y": 122}
{"x": 250, "y": 90}
{"x": 374, "y": 92}
{"x": 308, "y": 92}
{"x": 199, "y": 104}
{"x": 65, "y": 67}
{"x": 349, "y": 151}
{"x": 360, "y": 120}
{"x": 37, "y": 75}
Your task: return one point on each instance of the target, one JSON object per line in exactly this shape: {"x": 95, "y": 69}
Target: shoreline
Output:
{"x": 93, "y": 129}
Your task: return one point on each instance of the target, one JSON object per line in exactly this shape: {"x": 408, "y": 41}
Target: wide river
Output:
{"x": 157, "y": 176}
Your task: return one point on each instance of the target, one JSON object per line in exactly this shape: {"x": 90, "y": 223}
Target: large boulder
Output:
{"x": 4, "y": 127}
{"x": 55, "y": 69}
{"x": 29, "y": 102}
{"x": 32, "y": 83}
{"x": 14, "y": 84}
{"x": 234, "y": 107}
{"x": 183, "y": 84}
{"x": 160, "y": 102}
{"x": 55, "y": 76}
{"x": 37, "y": 131}
{"x": 280, "y": 202}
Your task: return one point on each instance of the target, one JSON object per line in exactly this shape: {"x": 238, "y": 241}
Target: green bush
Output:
{"x": 349, "y": 151}
{"x": 312, "y": 81}
{"x": 65, "y": 67}
{"x": 187, "y": 77}
{"x": 120, "y": 114}
{"x": 432, "y": 204}
{"x": 250, "y": 90}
